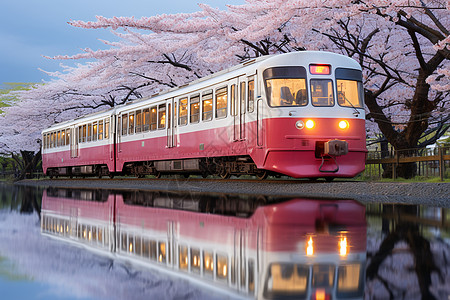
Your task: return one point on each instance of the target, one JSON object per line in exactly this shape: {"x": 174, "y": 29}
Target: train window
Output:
{"x": 350, "y": 281}
{"x": 100, "y": 235}
{"x": 80, "y": 134}
{"x": 89, "y": 132}
{"x": 162, "y": 252}
{"x": 285, "y": 86}
{"x": 195, "y": 109}
{"x": 208, "y": 263}
{"x": 323, "y": 275}
{"x": 251, "y": 276}
{"x": 162, "y": 116}
{"x": 242, "y": 92}
{"x": 58, "y": 139}
{"x": 222, "y": 267}
{"x": 207, "y": 106}
{"x": 195, "y": 260}
{"x": 138, "y": 121}
{"x": 106, "y": 128}
{"x": 183, "y": 257}
{"x": 233, "y": 270}
{"x": 286, "y": 279}
{"x": 138, "y": 245}
{"x": 350, "y": 93}
{"x": 251, "y": 94}
{"x": 67, "y": 136}
{"x": 131, "y": 244}
{"x": 131, "y": 121}
{"x": 233, "y": 99}
{"x": 94, "y": 131}
{"x": 124, "y": 124}
{"x": 84, "y": 133}
{"x": 221, "y": 103}
{"x": 124, "y": 244}
{"x": 146, "y": 120}
{"x": 100, "y": 130}
{"x": 322, "y": 92}
{"x": 182, "y": 114}
{"x": 153, "y": 118}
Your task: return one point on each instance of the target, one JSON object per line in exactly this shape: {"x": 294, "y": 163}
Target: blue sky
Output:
{"x": 30, "y": 29}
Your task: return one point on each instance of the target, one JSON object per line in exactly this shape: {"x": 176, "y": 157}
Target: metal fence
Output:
{"x": 429, "y": 162}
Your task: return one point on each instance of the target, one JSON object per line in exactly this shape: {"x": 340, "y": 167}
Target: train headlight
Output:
{"x": 343, "y": 246}
{"x": 344, "y": 124}
{"x": 310, "y": 124}
{"x": 309, "y": 247}
{"x": 300, "y": 124}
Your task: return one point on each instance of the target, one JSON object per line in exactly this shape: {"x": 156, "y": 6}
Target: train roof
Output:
{"x": 314, "y": 56}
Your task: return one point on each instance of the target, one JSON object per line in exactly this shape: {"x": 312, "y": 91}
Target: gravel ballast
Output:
{"x": 432, "y": 194}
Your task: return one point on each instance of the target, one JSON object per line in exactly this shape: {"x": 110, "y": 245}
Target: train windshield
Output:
{"x": 294, "y": 281}
{"x": 287, "y": 280}
{"x": 350, "y": 92}
{"x": 286, "y": 86}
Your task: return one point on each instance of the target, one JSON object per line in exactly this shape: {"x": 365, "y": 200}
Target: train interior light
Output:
{"x": 343, "y": 246}
{"x": 310, "y": 247}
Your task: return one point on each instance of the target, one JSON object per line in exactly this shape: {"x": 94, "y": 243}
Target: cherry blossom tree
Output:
{"x": 403, "y": 47}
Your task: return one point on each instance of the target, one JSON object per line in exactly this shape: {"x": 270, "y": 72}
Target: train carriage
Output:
{"x": 299, "y": 114}
{"x": 294, "y": 249}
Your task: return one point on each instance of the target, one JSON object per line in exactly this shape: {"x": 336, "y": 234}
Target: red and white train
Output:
{"x": 297, "y": 248}
{"x": 299, "y": 114}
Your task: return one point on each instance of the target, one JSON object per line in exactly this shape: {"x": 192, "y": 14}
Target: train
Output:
{"x": 241, "y": 246}
{"x": 298, "y": 114}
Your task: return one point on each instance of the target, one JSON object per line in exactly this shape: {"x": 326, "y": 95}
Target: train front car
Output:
{"x": 311, "y": 118}
{"x": 313, "y": 249}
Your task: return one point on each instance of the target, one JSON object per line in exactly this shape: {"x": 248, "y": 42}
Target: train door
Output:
{"x": 238, "y": 92}
{"x": 74, "y": 142}
{"x": 171, "y": 127}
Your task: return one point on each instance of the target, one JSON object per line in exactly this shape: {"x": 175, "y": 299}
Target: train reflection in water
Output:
{"x": 251, "y": 247}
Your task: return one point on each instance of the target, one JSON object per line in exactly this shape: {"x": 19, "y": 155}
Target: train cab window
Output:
{"x": 222, "y": 267}
{"x": 207, "y": 106}
{"x": 183, "y": 113}
{"x": 183, "y": 257}
{"x": 195, "y": 260}
{"x": 195, "y": 109}
{"x": 208, "y": 263}
{"x": 350, "y": 281}
{"x": 131, "y": 121}
{"x": 146, "y": 120}
{"x": 162, "y": 252}
{"x": 162, "y": 116}
{"x": 323, "y": 276}
{"x": 67, "y": 136}
{"x": 322, "y": 92}
{"x": 350, "y": 93}
{"x": 94, "y": 131}
{"x": 221, "y": 103}
{"x": 286, "y": 280}
{"x": 138, "y": 121}
{"x": 124, "y": 124}
{"x": 153, "y": 118}
{"x": 251, "y": 94}
{"x": 106, "y": 128}
{"x": 286, "y": 86}
{"x": 100, "y": 130}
